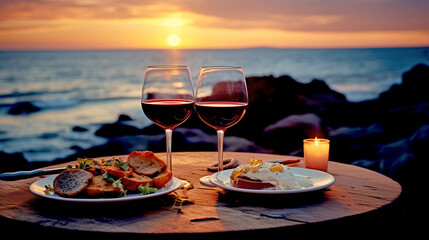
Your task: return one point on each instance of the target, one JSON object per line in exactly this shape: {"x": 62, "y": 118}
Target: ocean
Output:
{"x": 90, "y": 88}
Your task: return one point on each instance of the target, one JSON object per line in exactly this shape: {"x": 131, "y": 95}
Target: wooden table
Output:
{"x": 355, "y": 199}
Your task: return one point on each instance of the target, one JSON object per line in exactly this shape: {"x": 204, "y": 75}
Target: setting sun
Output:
{"x": 173, "y": 40}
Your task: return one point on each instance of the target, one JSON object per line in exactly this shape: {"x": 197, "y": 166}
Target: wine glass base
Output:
{"x": 206, "y": 181}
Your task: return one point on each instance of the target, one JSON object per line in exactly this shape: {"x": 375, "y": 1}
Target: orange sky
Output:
{"x": 136, "y": 24}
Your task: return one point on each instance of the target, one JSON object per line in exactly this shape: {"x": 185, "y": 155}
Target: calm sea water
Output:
{"x": 89, "y": 88}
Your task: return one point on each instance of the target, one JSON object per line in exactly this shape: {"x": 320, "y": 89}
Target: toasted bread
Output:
{"x": 162, "y": 179}
{"x": 101, "y": 187}
{"x": 146, "y": 163}
{"x": 98, "y": 170}
{"x": 243, "y": 182}
{"x": 117, "y": 171}
{"x": 71, "y": 182}
{"x": 133, "y": 181}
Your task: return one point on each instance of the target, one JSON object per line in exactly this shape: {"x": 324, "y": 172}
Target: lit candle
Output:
{"x": 316, "y": 153}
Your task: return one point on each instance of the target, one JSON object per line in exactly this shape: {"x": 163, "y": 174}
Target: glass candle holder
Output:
{"x": 316, "y": 153}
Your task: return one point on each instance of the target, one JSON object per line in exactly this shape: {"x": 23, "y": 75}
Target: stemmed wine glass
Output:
{"x": 220, "y": 101}
{"x": 167, "y": 99}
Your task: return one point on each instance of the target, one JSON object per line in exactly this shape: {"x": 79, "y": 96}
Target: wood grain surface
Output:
{"x": 209, "y": 210}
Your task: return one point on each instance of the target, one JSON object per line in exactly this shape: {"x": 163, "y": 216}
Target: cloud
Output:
{"x": 18, "y": 27}
{"x": 316, "y": 15}
{"x": 79, "y": 9}
{"x": 285, "y": 15}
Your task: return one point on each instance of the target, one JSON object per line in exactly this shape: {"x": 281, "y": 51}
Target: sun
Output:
{"x": 173, "y": 40}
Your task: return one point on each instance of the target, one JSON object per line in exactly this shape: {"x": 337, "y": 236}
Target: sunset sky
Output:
{"x": 139, "y": 24}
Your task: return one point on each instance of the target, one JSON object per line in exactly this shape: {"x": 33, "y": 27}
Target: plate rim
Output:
{"x": 175, "y": 184}
{"x": 213, "y": 179}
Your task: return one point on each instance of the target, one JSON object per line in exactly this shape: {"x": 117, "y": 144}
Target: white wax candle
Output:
{"x": 316, "y": 153}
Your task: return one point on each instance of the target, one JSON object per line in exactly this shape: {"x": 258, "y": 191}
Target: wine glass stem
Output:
{"x": 220, "y": 134}
{"x": 168, "y": 136}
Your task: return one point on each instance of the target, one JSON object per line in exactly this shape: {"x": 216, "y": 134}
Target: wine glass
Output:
{"x": 167, "y": 99}
{"x": 221, "y": 101}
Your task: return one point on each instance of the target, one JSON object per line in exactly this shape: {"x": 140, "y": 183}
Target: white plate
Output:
{"x": 38, "y": 188}
{"x": 310, "y": 180}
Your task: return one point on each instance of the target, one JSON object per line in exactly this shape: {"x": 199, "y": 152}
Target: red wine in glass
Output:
{"x": 221, "y": 100}
{"x": 168, "y": 113}
{"x": 220, "y": 114}
{"x": 167, "y": 99}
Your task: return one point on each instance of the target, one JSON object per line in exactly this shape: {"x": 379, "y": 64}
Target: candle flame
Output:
{"x": 317, "y": 144}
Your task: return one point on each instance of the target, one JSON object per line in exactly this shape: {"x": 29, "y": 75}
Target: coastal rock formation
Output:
{"x": 23, "y": 108}
{"x": 387, "y": 134}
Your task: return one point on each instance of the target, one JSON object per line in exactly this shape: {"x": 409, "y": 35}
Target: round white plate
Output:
{"x": 310, "y": 180}
{"x": 38, "y": 188}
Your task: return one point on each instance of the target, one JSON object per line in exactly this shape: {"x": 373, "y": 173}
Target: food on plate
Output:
{"x": 71, "y": 182}
{"x": 289, "y": 161}
{"x": 146, "y": 163}
{"x": 133, "y": 181}
{"x": 99, "y": 186}
{"x": 162, "y": 179}
{"x": 117, "y": 171}
{"x": 263, "y": 175}
{"x": 114, "y": 177}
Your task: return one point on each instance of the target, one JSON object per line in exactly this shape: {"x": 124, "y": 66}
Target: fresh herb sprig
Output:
{"x": 121, "y": 164}
{"x": 86, "y": 163}
{"x": 145, "y": 190}
{"x": 49, "y": 189}
{"x": 116, "y": 182}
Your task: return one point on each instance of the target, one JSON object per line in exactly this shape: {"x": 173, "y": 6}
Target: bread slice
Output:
{"x": 162, "y": 179}
{"x": 243, "y": 182}
{"x": 71, "y": 182}
{"x": 117, "y": 171}
{"x": 101, "y": 187}
{"x": 98, "y": 170}
{"x": 133, "y": 181}
{"x": 146, "y": 163}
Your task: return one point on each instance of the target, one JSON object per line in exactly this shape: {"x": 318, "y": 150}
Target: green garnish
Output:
{"x": 146, "y": 189}
{"x": 118, "y": 162}
{"x": 118, "y": 184}
{"x": 86, "y": 163}
{"x": 121, "y": 164}
{"x": 49, "y": 190}
{"x": 109, "y": 177}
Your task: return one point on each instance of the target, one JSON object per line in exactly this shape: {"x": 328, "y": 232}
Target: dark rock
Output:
{"x": 412, "y": 90}
{"x": 196, "y": 139}
{"x": 13, "y": 162}
{"x": 79, "y": 129}
{"x": 23, "y": 108}
{"x": 124, "y": 117}
{"x": 116, "y": 129}
{"x": 404, "y": 121}
{"x": 356, "y": 142}
{"x": 77, "y": 148}
{"x": 48, "y": 135}
{"x": 309, "y": 123}
{"x": 391, "y": 157}
{"x": 153, "y": 129}
{"x": 286, "y": 135}
{"x": 271, "y": 99}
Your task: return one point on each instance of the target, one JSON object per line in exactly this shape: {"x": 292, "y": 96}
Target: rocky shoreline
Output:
{"x": 387, "y": 134}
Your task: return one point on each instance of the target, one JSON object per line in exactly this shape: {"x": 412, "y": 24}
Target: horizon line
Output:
{"x": 226, "y": 48}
